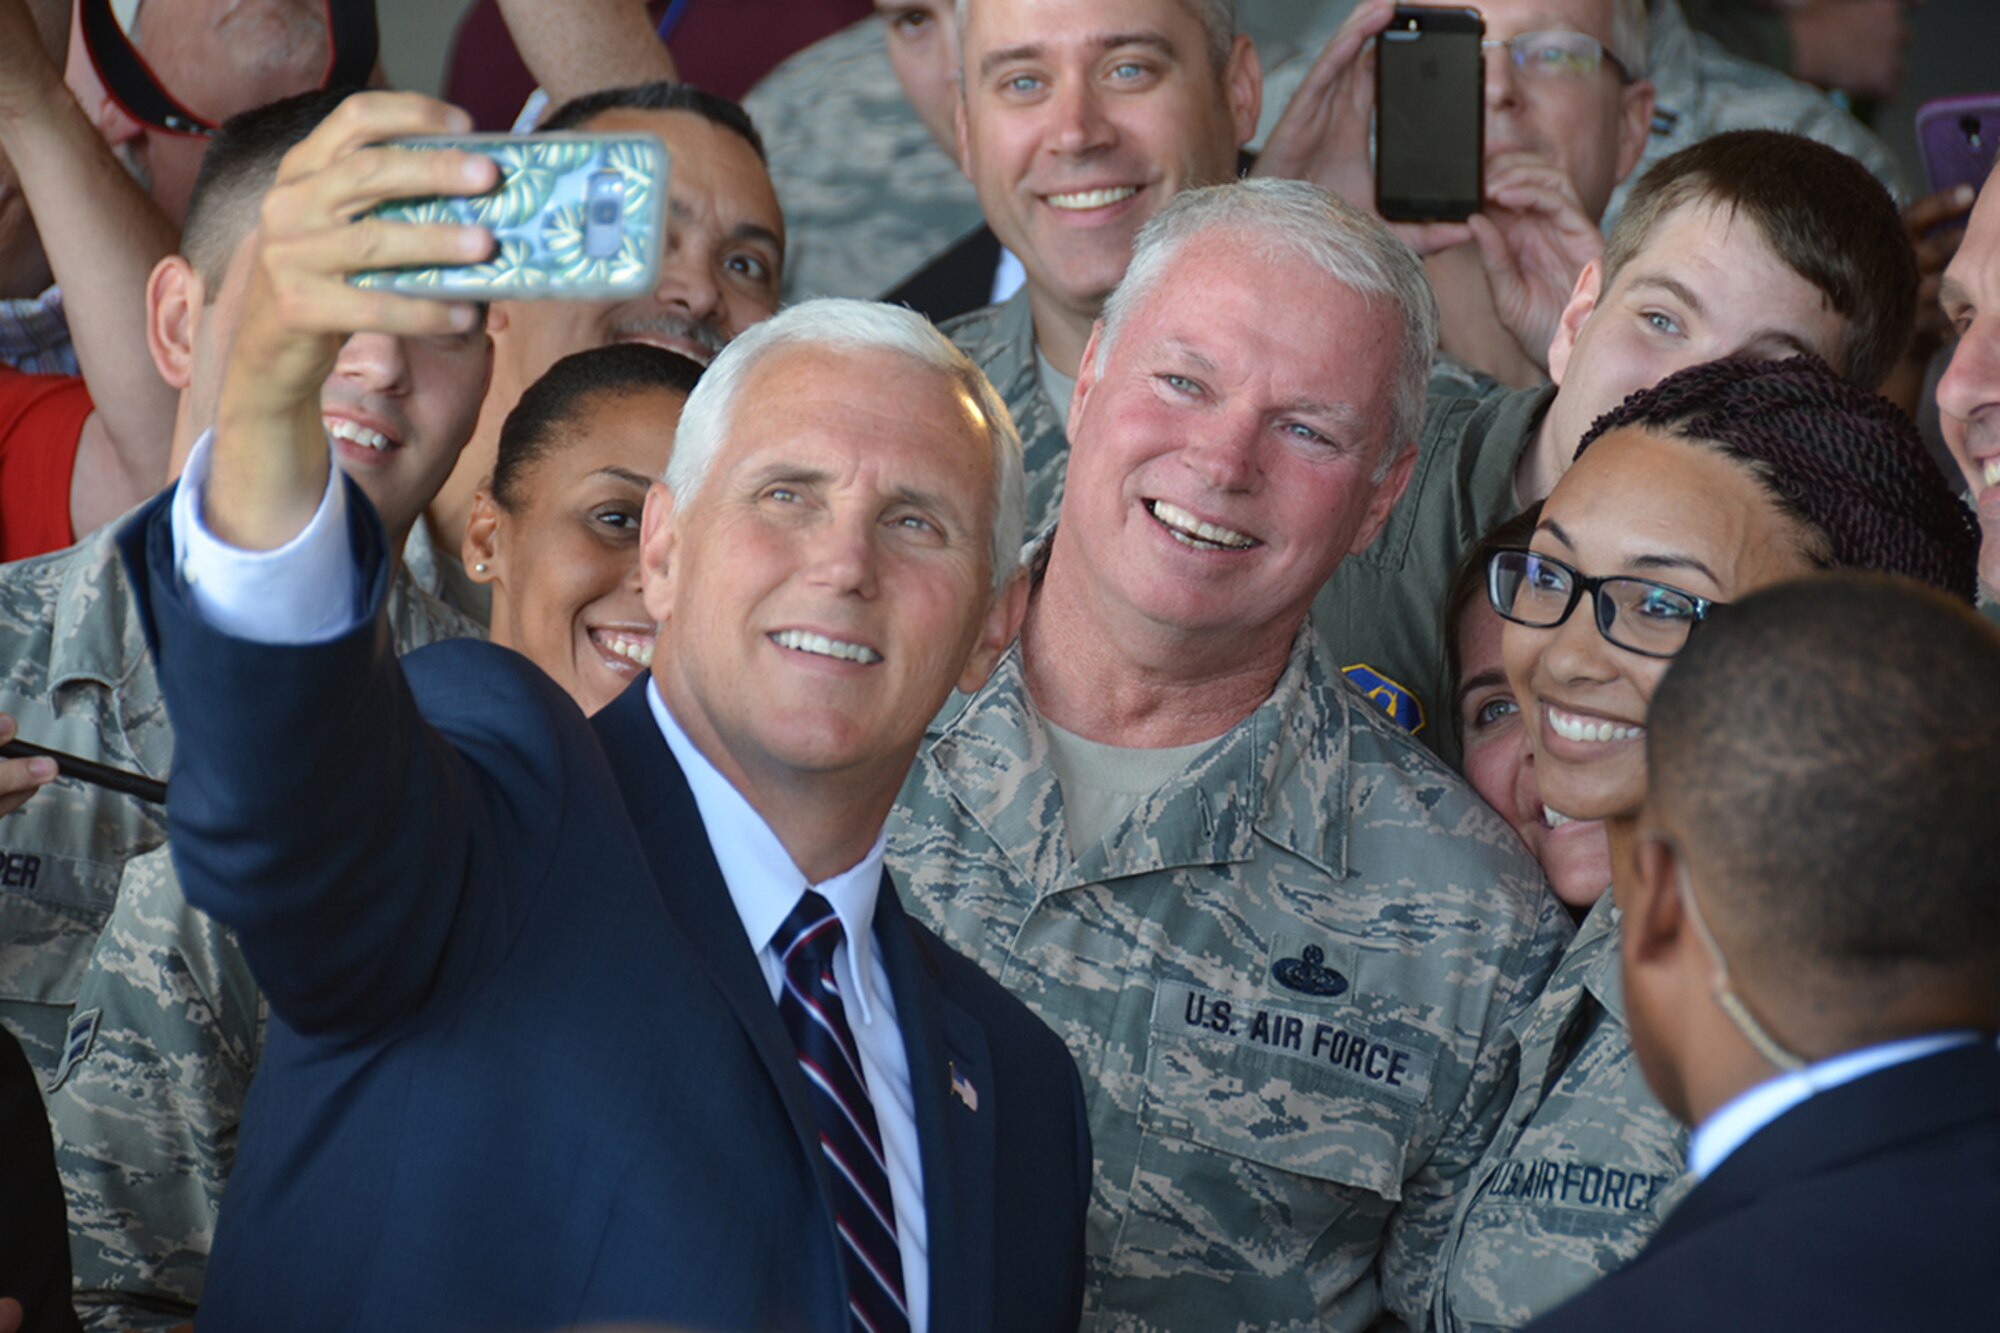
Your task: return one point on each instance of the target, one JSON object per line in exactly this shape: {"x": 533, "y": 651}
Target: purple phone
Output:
{"x": 1957, "y": 136}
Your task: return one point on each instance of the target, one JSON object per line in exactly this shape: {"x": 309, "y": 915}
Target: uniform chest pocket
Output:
{"x": 1259, "y": 1146}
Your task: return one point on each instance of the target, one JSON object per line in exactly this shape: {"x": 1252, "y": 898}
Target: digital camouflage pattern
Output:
{"x": 141, "y": 1171}
{"x": 168, "y": 1026}
{"x": 1381, "y": 616}
{"x": 1285, "y": 977}
{"x": 1000, "y": 340}
{"x": 1587, "y": 1163}
{"x": 1702, "y": 89}
{"x": 868, "y": 196}
{"x": 76, "y": 679}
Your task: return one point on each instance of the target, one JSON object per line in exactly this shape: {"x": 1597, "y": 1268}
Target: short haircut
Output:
{"x": 1468, "y": 585}
{"x": 1217, "y": 19}
{"x": 238, "y": 170}
{"x": 855, "y": 326}
{"x": 1819, "y": 210}
{"x": 535, "y": 427}
{"x": 1274, "y": 219}
{"x": 1846, "y": 464}
{"x": 1828, "y": 752}
{"x": 661, "y": 96}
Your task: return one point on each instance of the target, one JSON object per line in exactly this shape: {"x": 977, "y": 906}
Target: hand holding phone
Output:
{"x": 1430, "y": 115}
{"x": 574, "y": 217}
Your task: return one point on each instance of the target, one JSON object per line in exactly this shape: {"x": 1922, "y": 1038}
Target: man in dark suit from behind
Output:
{"x": 618, "y": 1019}
{"x": 1812, "y": 967}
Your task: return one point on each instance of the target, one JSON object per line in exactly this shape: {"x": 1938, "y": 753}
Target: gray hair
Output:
{"x": 853, "y": 326}
{"x": 1628, "y": 35}
{"x": 1292, "y": 218}
{"x": 1218, "y": 26}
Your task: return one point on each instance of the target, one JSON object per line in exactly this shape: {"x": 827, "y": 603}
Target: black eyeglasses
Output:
{"x": 1638, "y": 615}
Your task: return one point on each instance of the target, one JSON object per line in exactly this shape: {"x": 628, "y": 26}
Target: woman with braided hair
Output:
{"x": 1717, "y": 481}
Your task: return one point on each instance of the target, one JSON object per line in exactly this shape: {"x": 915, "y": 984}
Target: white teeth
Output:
{"x": 1087, "y": 199}
{"x": 1552, "y": 818}
{"x": 801, "y": 641}
{"x": 1992, "y": 471}
{"x": 1576, "y": 729}
{"x": 1206, "y": 536}
{"x": 627, "y": 646}
{"x": 343, "y": 429}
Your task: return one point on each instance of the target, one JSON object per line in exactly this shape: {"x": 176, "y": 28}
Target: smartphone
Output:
{"x": 1430, "y": 115}
{"x": 1957, "y": 136}
{"x": 574, "y": 217}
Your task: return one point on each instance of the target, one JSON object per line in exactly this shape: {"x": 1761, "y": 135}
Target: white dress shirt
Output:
{"x": 307, "y": 591}
{"x": 1743, "y": 1115}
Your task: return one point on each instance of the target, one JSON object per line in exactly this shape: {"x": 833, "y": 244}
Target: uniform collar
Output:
{"x": 95, "y": 631}
{"x": 764, "y": 883}
{"x": 1281, "y": 774}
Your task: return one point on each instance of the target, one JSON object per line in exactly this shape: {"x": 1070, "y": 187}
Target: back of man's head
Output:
{"x": 1827, "y": 754}
{"x": 1820, "y": 211}
{"x": 239, "y": 169}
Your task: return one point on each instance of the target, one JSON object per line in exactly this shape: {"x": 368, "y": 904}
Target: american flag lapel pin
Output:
{"x": 961, "y": 1087}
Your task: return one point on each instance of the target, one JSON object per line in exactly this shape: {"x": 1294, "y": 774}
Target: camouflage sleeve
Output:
{"x": 167, "y": 1030}
{"x": 1413, "y": 1249}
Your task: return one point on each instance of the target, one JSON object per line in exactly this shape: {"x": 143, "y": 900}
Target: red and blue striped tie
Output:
{"x": 848, "y": 1135}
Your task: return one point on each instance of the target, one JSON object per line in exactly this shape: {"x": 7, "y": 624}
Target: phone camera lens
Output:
{"x": 604, "y": 212}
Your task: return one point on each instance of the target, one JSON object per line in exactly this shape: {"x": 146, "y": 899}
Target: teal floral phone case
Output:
{"x": 575, "y": 217}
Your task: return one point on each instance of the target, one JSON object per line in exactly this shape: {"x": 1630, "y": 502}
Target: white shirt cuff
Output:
{"x": 306, "y": 591}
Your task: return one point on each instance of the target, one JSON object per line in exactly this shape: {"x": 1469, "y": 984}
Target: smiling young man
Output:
{"x": 878, "y": 1133}
{"x": 1078, "y": 121}
{"x": 1281, "y": 941}
{"x": 1753, "y": 243}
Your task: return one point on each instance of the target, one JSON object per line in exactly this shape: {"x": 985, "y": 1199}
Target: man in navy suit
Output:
{"x": 1812, "y": 967}
{"x": 578, "y": 1021}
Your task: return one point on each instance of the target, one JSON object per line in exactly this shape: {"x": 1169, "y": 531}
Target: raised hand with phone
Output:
{"x": 1560, "y": 117}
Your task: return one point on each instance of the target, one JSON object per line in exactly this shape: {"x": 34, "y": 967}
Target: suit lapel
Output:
{"x": 669, "y": 826}
{"x": 946, "y": 1048}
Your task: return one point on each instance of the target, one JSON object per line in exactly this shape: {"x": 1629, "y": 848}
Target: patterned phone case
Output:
{"x": 575, "y": 217}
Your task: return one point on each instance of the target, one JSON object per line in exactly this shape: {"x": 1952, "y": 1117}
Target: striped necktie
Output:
{"x": 862, "y": 1208}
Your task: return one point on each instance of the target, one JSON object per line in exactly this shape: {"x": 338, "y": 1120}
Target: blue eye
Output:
{"x": 1494, "y": 709}
{"x": 1660, "y": 323}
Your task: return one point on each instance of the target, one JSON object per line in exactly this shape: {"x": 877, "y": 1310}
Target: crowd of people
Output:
{"x": 1061, "y": 727}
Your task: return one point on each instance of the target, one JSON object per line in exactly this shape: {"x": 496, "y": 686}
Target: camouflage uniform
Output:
{"x": 77, "y": 678}
{"x": 1587, "y": 1163}
{"x": 1000, "y": 339}
{"x": 1285, "y": 978}
{"x": 170, "y": 1026}
{"x": 1702, "y": 89}
{"x": 1381, "y": 615}
{"x": 135, "y": 1008}
{"x": 867, "y": 194}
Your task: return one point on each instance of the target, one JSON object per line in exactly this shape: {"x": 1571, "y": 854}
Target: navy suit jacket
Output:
{"x": 523, "y": 1070}
{"x": 1872, "y": 1206}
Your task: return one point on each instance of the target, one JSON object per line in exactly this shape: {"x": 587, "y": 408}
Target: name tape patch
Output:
{"x": 1573, "y": 1184}
{"x": 1340, "y": 1044}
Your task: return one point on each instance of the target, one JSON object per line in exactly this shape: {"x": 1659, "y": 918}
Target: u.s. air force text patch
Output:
{"x": 1341, "y": 1043}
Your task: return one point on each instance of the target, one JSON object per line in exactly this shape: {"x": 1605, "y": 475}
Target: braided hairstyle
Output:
{"x": 1840, "y": 460}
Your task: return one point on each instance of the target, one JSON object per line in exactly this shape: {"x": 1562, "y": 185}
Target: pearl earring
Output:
{"x": 479, "y": 568}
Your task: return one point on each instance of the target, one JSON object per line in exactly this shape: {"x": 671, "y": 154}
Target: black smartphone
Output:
{"x": 1430, "y": 115}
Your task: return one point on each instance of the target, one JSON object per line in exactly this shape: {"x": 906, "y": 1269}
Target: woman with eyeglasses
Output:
{"x": 1718, "y": 481}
